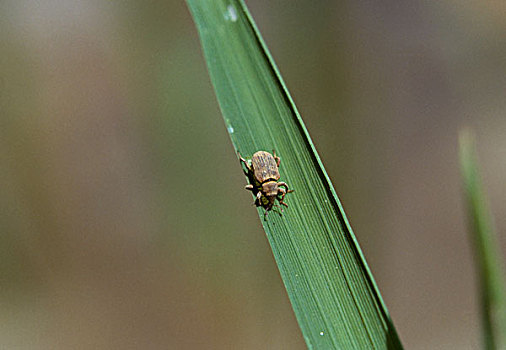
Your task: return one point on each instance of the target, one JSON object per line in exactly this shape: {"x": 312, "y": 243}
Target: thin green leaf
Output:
{"x": 331, "y": 289}
{"x": 488, "y": 258}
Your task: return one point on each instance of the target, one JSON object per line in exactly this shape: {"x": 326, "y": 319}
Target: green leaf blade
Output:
{"x": 490, "y": 267}
{"x": 332, "y": 292}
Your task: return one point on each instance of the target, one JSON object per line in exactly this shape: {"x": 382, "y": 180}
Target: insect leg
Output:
{"x": 249, "y": 187}
{"x": 282, "y": 202}
{"x": 283, "y": 193}
{"x": 242, "y": 160}
{"x": 276, "y": 158}
{"x": 283, "y": 184}
{"x": 257, "y": 200}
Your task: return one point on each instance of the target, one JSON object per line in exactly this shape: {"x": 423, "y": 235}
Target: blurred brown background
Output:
{"x": 124, "y": 224}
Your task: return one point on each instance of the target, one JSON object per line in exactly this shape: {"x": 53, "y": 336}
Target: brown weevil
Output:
{"x": 263, "y": 175}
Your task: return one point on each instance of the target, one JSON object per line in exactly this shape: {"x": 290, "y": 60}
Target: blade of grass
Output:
{"x": 331, "y": 289}
{"x": 490, "y": 270}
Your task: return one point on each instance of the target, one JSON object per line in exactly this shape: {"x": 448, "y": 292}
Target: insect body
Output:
{"x": 263, "y": 175}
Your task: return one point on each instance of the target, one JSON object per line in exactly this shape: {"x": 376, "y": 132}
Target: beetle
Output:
{"x": 263, "y": 175}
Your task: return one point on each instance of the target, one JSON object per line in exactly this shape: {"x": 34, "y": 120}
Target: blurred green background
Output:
{"x": 124, "y": 223}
